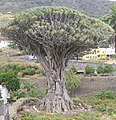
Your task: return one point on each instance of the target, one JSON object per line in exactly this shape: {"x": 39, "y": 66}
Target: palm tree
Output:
{"x": 111, "y": 20}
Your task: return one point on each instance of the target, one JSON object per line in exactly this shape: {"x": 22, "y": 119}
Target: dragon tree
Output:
{"x": 54, "y": 34}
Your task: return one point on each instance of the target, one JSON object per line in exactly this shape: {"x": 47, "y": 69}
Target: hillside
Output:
{"x": 91, "y": 7}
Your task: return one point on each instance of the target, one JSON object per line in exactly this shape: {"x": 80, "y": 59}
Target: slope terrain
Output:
{"x": 91, "y": 7}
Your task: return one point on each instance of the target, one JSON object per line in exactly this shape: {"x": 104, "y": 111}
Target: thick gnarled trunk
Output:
{"x": 57, "y": 99}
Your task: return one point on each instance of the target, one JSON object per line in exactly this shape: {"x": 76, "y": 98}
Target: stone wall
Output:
{"x": 80, "y": 65}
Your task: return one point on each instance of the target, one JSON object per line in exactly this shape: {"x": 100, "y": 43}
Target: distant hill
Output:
{"x": 91, "y": 7}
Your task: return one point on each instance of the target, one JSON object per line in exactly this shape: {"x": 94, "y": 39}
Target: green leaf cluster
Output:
{"x": 72, "y": 81}
{"x": 10, "y": 79}
{"x": 106, "y": 95}
{"x": 89, "y": 69}
{"x": 104, "y": 69}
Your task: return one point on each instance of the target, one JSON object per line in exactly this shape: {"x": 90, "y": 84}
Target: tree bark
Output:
{"x": 57, "y": 99}
{"x": 115, "y": 43}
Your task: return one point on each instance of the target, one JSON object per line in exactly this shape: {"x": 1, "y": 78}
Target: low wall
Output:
{"x": 92, "y": 85}
{"x": 80, "y": 65}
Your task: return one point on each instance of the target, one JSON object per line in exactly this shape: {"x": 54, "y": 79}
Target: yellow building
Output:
{"x": 99, "y": 53}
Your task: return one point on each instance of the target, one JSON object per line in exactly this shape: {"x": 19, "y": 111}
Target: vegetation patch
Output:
{"x": 89, "y": 69}
{"x": 22, "y": 70}
{"x": 103, "y": 109}
{"x": 10, "y": 79}
{"x": 72, "y": 81}
{"x": 106, "y": 69}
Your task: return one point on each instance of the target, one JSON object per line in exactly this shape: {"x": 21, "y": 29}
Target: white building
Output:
{"x": 3, "y": 43}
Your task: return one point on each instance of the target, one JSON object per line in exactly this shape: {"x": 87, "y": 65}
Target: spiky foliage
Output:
{"x": 111, "y": 20}
{"x": 53, "y": 34}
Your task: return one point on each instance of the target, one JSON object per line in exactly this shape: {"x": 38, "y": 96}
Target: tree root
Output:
{"x": 56, "y": 104}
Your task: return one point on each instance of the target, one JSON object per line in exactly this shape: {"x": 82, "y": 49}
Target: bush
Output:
{"x": 104, "y": 106}
{"x": 11, "y": 67}
{"x": 20, "y": 69}
{"x": 41, "y": 72}
{"x": 29, "y": 89}
{"x": 108, "y": 69}
{"x": 100, "y": 69}
{"x": 72, "y": 81}
{"x": 89, "y": 69}
{"x": 10, "y": 79}
{"x": 15, "y": 95}
{"x": 27, "y": 116}
{"x": 76, "y": 99}
{"x": 106, "y": 95}
{"x": 13, "y": 45}
{"x": 73, "y": 69}
{"x": 28, "y": 71}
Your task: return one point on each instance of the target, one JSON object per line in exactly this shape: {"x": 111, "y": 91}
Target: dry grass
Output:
{"x": 9, "y": 56}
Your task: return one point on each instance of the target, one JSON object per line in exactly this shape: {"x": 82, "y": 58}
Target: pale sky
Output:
{"x": 112, "y": 0}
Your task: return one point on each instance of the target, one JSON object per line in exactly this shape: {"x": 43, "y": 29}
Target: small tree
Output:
{"x": 89, "y": 69}
{"x": 111, "y": 20}
{"x": 108, "y": 69}
{"x": 100, "y": 69}
{"x": 54, "y": 34}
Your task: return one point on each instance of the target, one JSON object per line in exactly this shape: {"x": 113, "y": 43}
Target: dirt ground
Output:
{"x": 8, "y": 55}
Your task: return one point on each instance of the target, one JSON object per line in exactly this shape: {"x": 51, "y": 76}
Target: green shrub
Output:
{"x": 100, "y": 69}
{"x": 33, "y": 93}
{"x": 28, "y": 71}
{"x": 74, "y": 69}
{"x": 24, "y": 69}
{"x": 27, "y": 84}
{"x": 104, "y": 106}
{"x": 27, "y": 116}
{"x": 29, "y": 89}
{"x": 10, "y": 79}
{"x": 89, "y": 116}
{"x": 76, "y": 99}
{"x": 72, "y": 81}
{"x": 11, "y": 67}
{"x": 13, "y": 45}
{"x": 15, "y": 95}
{"x": 89, "y": 69}
{"x": 40, "y": 71}
{"x": 106, "y": 95}
{"x": 108, "y": 69}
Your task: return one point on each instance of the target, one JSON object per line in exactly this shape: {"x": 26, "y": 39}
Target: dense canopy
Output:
{"x": 54, "y": 25}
